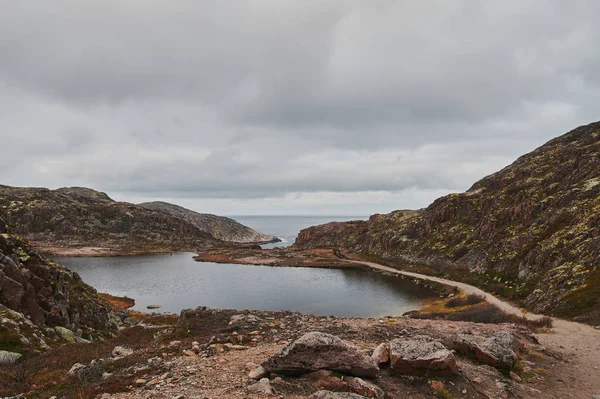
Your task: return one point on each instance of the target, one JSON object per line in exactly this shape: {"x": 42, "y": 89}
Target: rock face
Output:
{"x": 421, "y": 356}
{"x": 36, "y": 293}
{"x": 81, "y": 217}
{"x": 535, "y": 224}
{"x": 319, "y": 351}
{"x": 220, "y": 227}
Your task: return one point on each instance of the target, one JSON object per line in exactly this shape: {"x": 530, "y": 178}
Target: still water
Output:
{"x": 178, "y": 282}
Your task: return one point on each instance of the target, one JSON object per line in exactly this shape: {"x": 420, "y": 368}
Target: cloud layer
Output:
{"x": 288, "y": 107}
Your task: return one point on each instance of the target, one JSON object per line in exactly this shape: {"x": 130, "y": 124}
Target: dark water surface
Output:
{"x": 178, "y": 282}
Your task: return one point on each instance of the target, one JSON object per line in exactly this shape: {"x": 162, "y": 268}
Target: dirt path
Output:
{"x": 579, "y": 344}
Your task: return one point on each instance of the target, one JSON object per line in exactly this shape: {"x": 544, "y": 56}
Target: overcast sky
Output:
{"x": 288, "y": 107}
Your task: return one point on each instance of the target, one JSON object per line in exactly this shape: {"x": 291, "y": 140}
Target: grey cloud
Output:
{"x": 255, "y": 100}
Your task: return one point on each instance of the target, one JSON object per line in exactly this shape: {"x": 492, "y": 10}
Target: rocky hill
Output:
{"x": 530, "y": 231}
{"x": 41, "y": 302}
{"x": 81, "y": 221}
{"x": 220, "y": 227}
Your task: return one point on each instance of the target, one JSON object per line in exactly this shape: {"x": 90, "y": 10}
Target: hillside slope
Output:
{"x": 533, "y": 228}
{"x": 84, "y": 220}
{"x": 37, "y": 295}
{"x": 220, "y": 227}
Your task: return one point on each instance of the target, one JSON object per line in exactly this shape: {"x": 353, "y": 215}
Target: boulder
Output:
{"x": 381, "y": 354}
{"x": 365, "y": 388}
{"x": 500, "y": 349}
{"x": 330, "y": 381}
{"x": 421, "y": 356}
{"x": 76, "y": 369}
{"x": 319, "y": 351}
{"x": 65, "y": 334}
{"x": 263, "y": 387}
{"x": 335, "y": 395}
{"x": 257, "y": 373}
{"x": 7, "y": 358}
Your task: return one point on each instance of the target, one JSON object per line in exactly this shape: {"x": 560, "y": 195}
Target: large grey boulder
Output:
{"x": 7, "y": 358}
{"x": 421, "y": 356}
{"x": 500, "y": 349}
{"x": 335, "y": 395}
{"x": 319, "y": 351}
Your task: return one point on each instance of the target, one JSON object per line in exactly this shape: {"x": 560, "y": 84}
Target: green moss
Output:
{"x": 10, "y": 341}
{"x": 588, "y": 296}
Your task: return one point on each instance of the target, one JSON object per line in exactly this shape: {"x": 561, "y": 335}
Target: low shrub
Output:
{"x": 459, "y": 301}
{"x": 484, "y": 312}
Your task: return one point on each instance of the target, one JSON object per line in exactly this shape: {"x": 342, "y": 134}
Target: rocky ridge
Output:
{"x": 220, "y": 227}
{"x": 81, "y": 221}
{"x": 42, "y": 302}
{"x": 530, "y": 232}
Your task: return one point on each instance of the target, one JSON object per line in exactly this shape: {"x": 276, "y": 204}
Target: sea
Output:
{"x": 286, "y": 228}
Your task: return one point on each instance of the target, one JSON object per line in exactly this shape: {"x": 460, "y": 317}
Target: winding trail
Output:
{"x": 579, "y": 344}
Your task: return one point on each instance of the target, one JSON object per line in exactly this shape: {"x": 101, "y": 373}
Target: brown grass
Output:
{"x": 482, "y": 312}
{"x": 459, "y": 301}
{"x": 48, "y": 372}
{"x": 117, "y": 302}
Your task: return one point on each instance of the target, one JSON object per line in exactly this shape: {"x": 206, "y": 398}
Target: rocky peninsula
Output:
{"x": 80, "y": 221}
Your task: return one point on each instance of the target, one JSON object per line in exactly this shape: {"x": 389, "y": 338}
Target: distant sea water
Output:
{"x": 286, "y": 228}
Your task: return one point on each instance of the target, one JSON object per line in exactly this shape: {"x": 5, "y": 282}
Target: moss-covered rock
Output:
{"x": 535, "y": 224}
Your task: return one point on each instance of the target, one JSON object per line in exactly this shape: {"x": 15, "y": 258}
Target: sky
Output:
{"x": 288, "y": 107}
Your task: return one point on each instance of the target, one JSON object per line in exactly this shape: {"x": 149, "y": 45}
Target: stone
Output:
{"x": 514, "y": 376}
{"x": 140, "y": 382}
{"x": 381, "y": 354}
{"x": 257, "y": 373}
{"x": 326, "y": 380}
{"x": 263, "y": 387}
{"x": 365, "y": 388}
{"x": 244, "y": 318}
{"x": 76, "y": 369}
{"x": 65, "y": 334}
{"x": 319, "y": 351}
{"x": 421, "y": 356}
{"x": 121, "y": 351}
{"x": 500, "y": 349}
{"x": 335, "y": 395}
{"x": 7, "y": 358}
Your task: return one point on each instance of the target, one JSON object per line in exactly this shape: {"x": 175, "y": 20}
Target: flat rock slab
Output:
{"x": 421, "y": 356}
{"x": 319, "y": 351}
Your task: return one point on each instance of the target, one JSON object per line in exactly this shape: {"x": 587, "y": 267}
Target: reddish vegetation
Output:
{"x": 117, "y": 302}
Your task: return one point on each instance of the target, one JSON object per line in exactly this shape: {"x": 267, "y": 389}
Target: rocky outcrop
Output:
{"x": 319, "y": 351}
{"x": 530, "y": 231}
{"x": 220, "y": 227}
{"x": 421, "y": 356}
{"x": 37, "y": 294}
{"x": 76, "y": 217}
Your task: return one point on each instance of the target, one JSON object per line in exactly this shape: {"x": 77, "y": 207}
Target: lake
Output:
{"x": 178, "y": 282}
